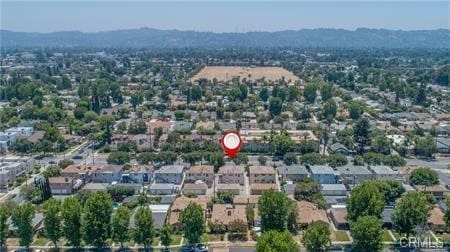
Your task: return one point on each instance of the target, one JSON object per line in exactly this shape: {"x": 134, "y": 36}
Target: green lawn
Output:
{"x": 386, "y": 236}
{"x": 176, "y": 239}
{"x": 155, "y": 241}
{"x": 210, "y": 237}
{"x": 397, "y": 235}
{"x": 40, "y": 241}
{"x": 445, "y": 237}
{"x": 341, "y": 236}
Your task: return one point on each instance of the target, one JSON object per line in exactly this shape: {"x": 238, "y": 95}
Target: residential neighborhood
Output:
{"x": 343, "y": 149}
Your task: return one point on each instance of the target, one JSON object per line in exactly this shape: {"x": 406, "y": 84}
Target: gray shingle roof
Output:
{"x": 292, "y": 169}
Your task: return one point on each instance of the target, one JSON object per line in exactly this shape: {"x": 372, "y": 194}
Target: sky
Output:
{"x": 221, "y": 16}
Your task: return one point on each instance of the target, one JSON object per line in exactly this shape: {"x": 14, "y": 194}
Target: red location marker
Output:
{"x": 231, "y": 143}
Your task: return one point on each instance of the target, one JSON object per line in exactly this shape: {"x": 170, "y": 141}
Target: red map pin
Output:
{"x": 231, "y": 143}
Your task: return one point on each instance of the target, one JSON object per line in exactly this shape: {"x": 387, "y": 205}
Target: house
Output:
{"x": 438, "y": 191}
{"x": 259, "y": 188}
{"x": 182, "y": 125}
{"x": 262, "y": 174}
{"x": 165, "y": 125}
{"x": 206, "y": 125}
{"x": 203, "y": 173}
{"x": 339, "y": 218}
{"x": 324, "y": 174}
{"x": 385, "y": 172}
{"x": 251, "y": 200}
{"x": 169, "y": 174}
{"x": 61, "y": 185}
{"x": 7, "y": 139}
{"x": 443, "y": 145}
{"x": 138, "y": 174}
{"x": 10, "y": 169}
{"x": 37, "y": 223}
{"x": 354, "y": 174}
{"x": 309, "y": 212}
{"x": 289, "y": 188}
{"x": 339, "y": 148}
{"x": 225, "y": 214}
{"x": 107, "y": 174}
{"x": 229, "y": 188}
{"x": 195, "y": 188}
{"x": 21, "y": 131}
{"x": 83, "y": 172}
{"x": 333, "y": 190}
{"x": 231, "y": 174}
{"x": 182, "y": 202}
{"x": 161, "y": 188}
{"x": 159, "y": 214}
{"x": 445, "y": 179}
{"x": 294, "y": 173}
{"x": 436, "y": 220}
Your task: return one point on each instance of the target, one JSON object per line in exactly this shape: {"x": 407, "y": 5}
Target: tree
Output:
{"x": 317, "y": 237}
{"x": 237, "y": 230}
{"x": 292, "y": 217}
{"x": 136, "y": 100}
{"x": 381, "y": 144}
{"x": 120, "y": 223}
{"x": 424, "y": 176}
{"x": 118, "y": 158}
{"x": 329, "y": 110}
{"x": 274, "y": 210}
{"x": 412, "y": 210}
{"x": 313, "y": 159}
{"x": 241, "y": 158}
{"x": 447, "y": 212}
{"x": 391, "y": 189}
{"x": 275, "y": 106}
{"x": 367, "y": 234}
{"x": 64, "y": 163}
{"x": 22, "y": 219}
{"x": 52, "y": 171}
{"x": 250, "y": 213}
{"x": 282, "y": 144}
{"x": 425, "y": 146}
{"x": 193, "y": 222}
{"x": 274, "y": 241}
{"x": 262, "y": 160}
{"x": 71, "y": 221}
{"x": 326, "y": 92}
{"x": 290, "y": 158}
{"x": 306, "y": 190}
{"x": 52, "y": 221}
{"x": 29, "y": 192}
{"x": 3, "y": 225}
{"x": 335, "y": 160}
{"x": 310, "y": 92}
{"x": 195, "y": 93}
{"x": 264, "y": 94}
{"x": 166, "y": 235}
{"x": 366, "y": 199}
{"x": 96, "y": 222}
{"x": 355, "y": 110}
{"x": 361, "y": 133}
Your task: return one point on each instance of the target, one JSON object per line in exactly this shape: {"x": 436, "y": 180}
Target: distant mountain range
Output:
{"x": 305, "y": 38}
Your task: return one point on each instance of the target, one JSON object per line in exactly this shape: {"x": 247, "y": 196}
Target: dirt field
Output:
{"x": 226, "y": 73}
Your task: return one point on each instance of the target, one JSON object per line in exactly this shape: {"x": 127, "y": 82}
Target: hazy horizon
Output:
{"x": 220, "y": 16}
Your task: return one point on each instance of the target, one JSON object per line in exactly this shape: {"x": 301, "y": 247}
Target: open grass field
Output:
{"x": 226, "y": 73}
